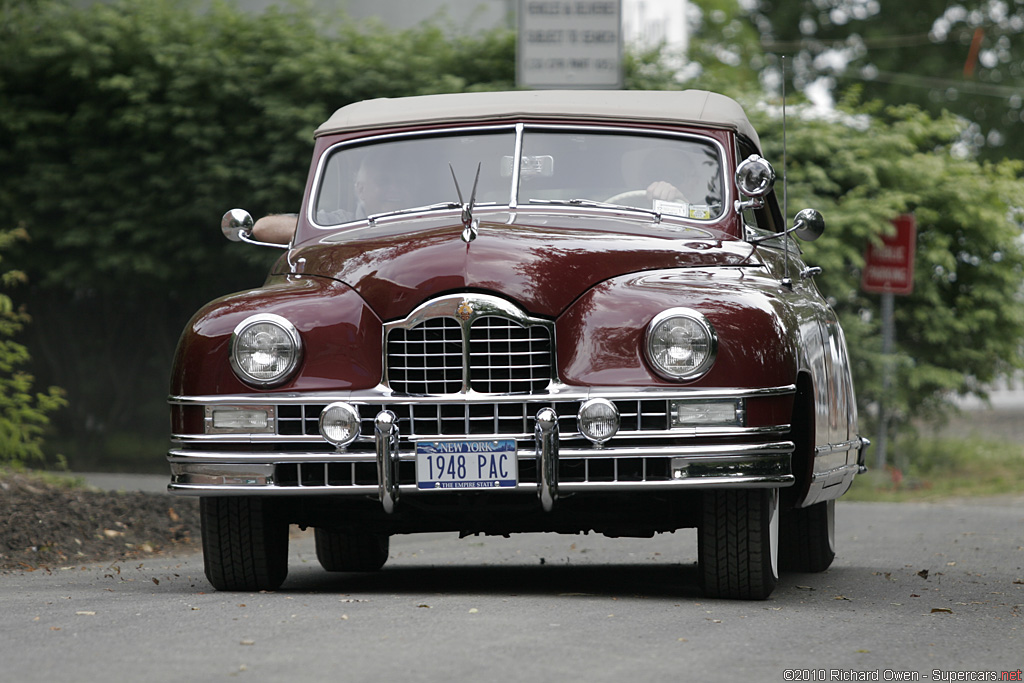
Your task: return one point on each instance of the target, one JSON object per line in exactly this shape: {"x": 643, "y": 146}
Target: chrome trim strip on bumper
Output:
{"x": 556, "y": 392}
{"x": 695, "y": 451}
{"x": 764, "y": 465}
{"x": 681, "y": 432}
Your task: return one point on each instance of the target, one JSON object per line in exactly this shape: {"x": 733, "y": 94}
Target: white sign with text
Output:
{"x": 569, "y": 44}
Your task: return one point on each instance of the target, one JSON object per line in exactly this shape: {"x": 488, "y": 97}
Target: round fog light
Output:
{"x": 598, "y": 420}
{"x": 339, "y": 424}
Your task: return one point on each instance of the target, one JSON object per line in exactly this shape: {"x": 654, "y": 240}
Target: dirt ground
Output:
{"x": 46, "y": 525}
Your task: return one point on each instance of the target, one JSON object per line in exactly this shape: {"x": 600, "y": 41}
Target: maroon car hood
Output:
{"x": 543, "y": 265}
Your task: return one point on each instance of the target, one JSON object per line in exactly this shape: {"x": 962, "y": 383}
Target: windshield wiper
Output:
{"x": 590, "y": 203}
{"x": 374, "y": 217}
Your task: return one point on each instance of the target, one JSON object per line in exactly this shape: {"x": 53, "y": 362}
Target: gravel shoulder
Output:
{"x": 48, "y": 523}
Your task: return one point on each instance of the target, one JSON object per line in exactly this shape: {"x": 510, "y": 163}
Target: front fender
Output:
{"x": 341, "y": 338}
{"x": 601, "y": 337}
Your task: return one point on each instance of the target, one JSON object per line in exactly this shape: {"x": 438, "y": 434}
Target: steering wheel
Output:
{"x": 631, "y": 195}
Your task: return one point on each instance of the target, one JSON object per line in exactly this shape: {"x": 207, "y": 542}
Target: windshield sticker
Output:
{"x": 674, "y": 208}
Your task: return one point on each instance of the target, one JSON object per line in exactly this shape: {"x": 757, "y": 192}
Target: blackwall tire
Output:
{"x": 738, "y": 543}
{"x": 245, "y": 545}
{"x": 807, "y": 538}
{"x": 347, "y": 552}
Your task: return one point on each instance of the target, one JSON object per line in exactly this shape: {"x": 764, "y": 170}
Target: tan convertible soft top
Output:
{"x": 662, "y": 106}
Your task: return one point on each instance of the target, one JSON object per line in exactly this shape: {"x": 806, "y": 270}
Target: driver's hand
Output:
{"x": 664, "y": 191}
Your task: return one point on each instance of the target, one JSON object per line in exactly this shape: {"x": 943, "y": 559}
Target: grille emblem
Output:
{"x": 464, "y": 311}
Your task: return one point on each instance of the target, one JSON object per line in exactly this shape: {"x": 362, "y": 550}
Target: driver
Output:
{"x": 662, "y": 171}
{"x": 378, "y": 189}
{"x": 665, "y": 191}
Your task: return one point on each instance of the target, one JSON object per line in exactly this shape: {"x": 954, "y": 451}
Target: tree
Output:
{"x": 131, "y": 127}
{"x": 963, "y": 326}
{"x": 864, "y": 164}
{"x": 966, "y": 57}
{"x": 23, "y": 415}
{"x": 724, "y": 54}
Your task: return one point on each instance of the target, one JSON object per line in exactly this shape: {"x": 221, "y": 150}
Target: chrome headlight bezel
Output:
{"x": 703, "y": 333}
{"x": 594, "y": 411}
{"x": 334, "y": 415}
{"x": 287, "y": 340}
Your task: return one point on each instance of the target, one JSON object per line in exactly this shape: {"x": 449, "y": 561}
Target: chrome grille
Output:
{"x": 507, "y": 358}
{"x": 502, "y": 355}
{"x": 426, "y": 359}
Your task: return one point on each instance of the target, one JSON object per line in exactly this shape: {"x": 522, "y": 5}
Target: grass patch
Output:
{"x": 933, "y": 468}
{"x": 57, "y": 479}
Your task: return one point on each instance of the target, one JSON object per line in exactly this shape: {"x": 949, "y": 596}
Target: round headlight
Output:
{"x": 598, "y": 420}
{"x": 339, "y": 424}
{"x": 681, "y": 344}
{"x": 265, "y": 350}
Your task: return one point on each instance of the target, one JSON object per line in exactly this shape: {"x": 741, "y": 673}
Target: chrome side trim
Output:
{"x": 837, "y": 473}
{"x": 828, "y": 449}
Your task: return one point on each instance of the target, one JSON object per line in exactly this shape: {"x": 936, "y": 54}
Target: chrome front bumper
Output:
{"x": 553, "y": 460}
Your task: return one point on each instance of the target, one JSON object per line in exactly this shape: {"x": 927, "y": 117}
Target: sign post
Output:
{"x": 889, "y": 271}
{"x": 569, "y": 44}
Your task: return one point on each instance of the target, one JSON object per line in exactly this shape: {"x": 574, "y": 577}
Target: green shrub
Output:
{"x": 23, "y": 416}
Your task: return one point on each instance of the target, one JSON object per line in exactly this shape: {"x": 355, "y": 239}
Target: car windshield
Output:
{"x": 671, "y": 175}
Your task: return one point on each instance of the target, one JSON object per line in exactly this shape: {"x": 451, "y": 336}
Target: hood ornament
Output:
{"x": 470, "y": 225}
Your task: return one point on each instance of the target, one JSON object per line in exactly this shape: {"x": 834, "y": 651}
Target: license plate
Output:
{"x": 452, "y": 465}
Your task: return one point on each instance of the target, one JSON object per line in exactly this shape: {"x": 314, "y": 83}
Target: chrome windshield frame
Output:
{"x": 519, "y": 130}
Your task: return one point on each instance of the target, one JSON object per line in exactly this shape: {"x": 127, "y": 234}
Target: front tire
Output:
{"x": 738, "y": 543}
{"x": 807, "y": 538}
{"x": 245, "y": 545}
{"x": 345, "y": 552}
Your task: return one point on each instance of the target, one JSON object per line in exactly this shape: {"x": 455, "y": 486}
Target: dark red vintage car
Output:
{"x": 524, "y": 311}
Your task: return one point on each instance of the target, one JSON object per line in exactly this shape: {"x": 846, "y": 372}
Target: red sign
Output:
{"x": 889, "y": 266}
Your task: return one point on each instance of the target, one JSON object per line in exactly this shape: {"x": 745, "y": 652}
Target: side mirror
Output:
{"x": 755, "y": 176}
{"x": 236, "y": 225}
{"x": 808, "y": 225}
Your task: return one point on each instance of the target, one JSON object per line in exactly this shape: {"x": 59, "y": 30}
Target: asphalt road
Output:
{"x": 932, "y": 591}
